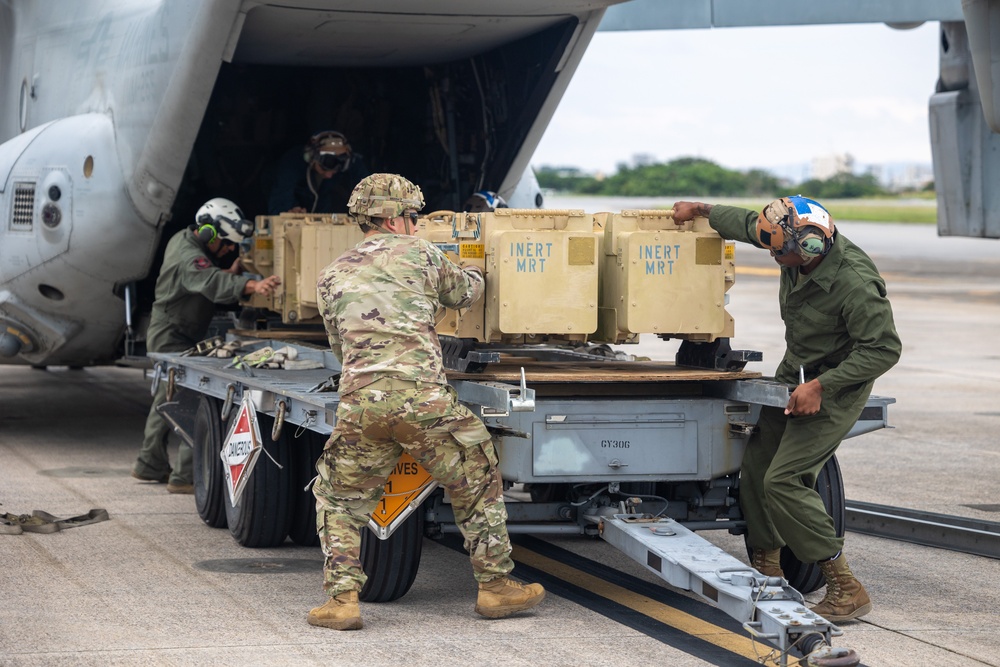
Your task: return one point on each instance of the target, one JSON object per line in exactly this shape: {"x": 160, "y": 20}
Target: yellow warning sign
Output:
{"x": 406, "y": 483}
{"x": 472, "y": 250}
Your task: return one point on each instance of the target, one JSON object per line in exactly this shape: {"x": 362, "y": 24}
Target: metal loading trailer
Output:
{"x": 640, "y": 453}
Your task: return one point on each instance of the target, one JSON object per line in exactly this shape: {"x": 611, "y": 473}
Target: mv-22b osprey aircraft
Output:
{"x": 118, "y": 119}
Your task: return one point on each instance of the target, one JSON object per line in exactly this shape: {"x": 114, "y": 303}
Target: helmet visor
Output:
{"x": 772, "y": 235}
{"x": 234, "y": 230}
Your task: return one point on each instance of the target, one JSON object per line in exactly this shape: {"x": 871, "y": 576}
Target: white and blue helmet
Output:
{"x": 795, "y": 224}
{"x": 483, "y": 201}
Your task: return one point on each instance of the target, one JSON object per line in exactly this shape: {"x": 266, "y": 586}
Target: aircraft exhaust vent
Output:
{"x": 24, "y": 207}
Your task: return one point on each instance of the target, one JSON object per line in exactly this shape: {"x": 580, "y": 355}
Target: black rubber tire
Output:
{"x": 807, "y": 577}
{"x": 210, "y": 495}
{"x": 392, "y": 564}
{"x": 306, "y": 450}
{"x": 262, "y": 515}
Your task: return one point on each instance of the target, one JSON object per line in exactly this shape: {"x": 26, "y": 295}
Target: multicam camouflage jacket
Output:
{"x": 379, "y": 302}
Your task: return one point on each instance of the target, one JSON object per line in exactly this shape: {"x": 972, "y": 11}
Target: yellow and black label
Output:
{"x": 472, "y": 250}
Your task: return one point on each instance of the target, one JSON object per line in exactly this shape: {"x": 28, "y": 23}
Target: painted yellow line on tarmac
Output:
{"x": 665, "y": 614}
{"x": 757, "y": 271}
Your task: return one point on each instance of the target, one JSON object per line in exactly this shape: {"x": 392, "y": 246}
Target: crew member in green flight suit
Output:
{"x": 191, "y": 282}
{"x": 839, "y": 337}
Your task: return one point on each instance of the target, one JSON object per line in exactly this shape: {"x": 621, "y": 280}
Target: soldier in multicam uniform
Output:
{"x": 378, "y": 303}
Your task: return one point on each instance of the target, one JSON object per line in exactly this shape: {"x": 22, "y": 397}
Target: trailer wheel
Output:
{"x": 262, "y": 515}
{"x": 305, "y": 452}
{"x": 391, "y": 565}
{"x": 807, "y": 577}
{"x": 209, "y": 484}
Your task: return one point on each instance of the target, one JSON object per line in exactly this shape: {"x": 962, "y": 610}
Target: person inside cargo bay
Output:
{"x": 839, "y": 337}
{"x": 317, "y": 177}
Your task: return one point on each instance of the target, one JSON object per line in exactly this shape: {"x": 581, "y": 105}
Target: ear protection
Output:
{"x": 207, "y": 231}
{"x": 331, "y": 138}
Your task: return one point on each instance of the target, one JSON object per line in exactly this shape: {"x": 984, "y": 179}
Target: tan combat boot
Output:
{"x": 846, "y": 598}
{"x": 341, "y": 612}
{"x": 767, "y": 562}
{"x": 502, "y": 597}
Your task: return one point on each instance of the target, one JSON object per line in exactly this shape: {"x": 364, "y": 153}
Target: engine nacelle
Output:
{"x": 71, "y": 237}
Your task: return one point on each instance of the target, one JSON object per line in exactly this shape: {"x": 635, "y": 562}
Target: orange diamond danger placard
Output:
{"x": 241, "y": 449}
{"x": 407, "y": 486}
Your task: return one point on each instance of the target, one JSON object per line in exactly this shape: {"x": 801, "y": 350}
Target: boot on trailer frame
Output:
{"x": 846, "y": 598}
{"x": 767, "y": 562}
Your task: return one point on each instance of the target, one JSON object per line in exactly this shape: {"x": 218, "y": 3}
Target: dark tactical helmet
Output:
{"x": 383, "y": 196}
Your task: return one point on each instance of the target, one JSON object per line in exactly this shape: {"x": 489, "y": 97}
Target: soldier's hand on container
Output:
{"x": 264, "y": 287}
{"x": 685, "y": 211}
{"x": 805, "y": 400}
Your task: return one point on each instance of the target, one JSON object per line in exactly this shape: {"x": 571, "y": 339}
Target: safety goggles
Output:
{"x": 333, "y": 161}
{"x": 243, "y": 228}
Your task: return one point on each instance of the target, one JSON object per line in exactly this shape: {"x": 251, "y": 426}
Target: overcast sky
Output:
{"x": 748, "y": 97}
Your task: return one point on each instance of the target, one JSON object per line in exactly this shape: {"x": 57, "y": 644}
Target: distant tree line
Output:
{"x": 696, "y": 176}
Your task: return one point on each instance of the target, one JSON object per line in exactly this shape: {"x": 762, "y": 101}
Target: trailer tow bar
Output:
{"x": 768, "y": 607}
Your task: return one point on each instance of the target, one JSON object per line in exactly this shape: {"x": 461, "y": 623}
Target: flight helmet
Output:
{"x": 484, "y": 201}
{"x": 222, "y": 219}
{"x": 795, "y": 224}
{"x": 329, "y": 150}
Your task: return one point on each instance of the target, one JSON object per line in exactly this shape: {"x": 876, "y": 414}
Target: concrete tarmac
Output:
{"x": 141, "y": 589}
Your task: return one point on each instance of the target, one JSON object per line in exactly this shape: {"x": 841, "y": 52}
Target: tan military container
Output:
{"x": 297, "y": 247}
{"x": 663, "y": 278}
{"x": 541, "y": 269}
{"x": 541, "y": 274}
{"x": 459, "y": 236}
{"x": 551, "y": 275}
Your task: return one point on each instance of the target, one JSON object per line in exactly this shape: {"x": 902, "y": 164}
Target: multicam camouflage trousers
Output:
{"x": 374, "y": 426}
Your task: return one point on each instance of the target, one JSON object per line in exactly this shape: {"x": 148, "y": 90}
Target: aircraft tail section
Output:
{"x": 966, "y": 153}
{"x": 160, "y": 166}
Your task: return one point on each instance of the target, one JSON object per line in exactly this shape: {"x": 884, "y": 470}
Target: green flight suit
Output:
{"x": 839, "y": 327}
{"x": 187, "y": 289}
